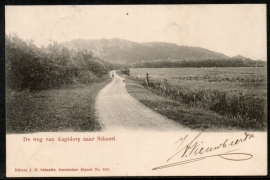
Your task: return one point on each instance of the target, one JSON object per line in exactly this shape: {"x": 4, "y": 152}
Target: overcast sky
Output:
{"x": 228, "y": 29}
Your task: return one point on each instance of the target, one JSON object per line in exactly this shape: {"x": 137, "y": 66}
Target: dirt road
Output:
{"x": 117, "y": 110}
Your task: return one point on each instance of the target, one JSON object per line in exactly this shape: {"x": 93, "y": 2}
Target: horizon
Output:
{"x": 242, "y": 32}
{"x": 159, "y": 42}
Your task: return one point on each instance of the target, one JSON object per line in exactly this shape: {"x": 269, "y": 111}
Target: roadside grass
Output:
{"x": 66, "y": 109}
{"x": 235, "y": 93}
{"x": 188, "y": 116}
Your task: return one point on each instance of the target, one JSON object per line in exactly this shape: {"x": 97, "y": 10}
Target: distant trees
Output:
{"x": 227, "y": 62}
{"x": 33, "y": 68}
{"x": 125, "y": 70}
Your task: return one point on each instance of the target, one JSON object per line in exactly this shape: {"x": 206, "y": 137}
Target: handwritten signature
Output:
{"x": 194, "y": 148}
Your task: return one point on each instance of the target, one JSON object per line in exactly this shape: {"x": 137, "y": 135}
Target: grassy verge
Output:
{"x": 191, "y": 117}
{"x": 239, "y": 93}
{"x": 66, "y": 109}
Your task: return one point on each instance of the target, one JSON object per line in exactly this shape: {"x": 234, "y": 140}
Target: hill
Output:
{"x": 123, "y": 51}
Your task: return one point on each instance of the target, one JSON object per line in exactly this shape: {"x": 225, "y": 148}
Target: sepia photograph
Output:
{"x": 138, "y": 80}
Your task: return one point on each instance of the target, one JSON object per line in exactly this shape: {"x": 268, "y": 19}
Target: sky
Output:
{"x": 228, "y": 29}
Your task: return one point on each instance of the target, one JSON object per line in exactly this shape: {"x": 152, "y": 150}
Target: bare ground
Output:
{"x": 117, "y": 110}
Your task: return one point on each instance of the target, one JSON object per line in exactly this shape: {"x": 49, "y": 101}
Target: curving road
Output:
{"x": 118, "y": 110}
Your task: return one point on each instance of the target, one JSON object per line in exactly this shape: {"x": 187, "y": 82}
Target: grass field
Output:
{"x": 190, "y": 117}
{"x": 66, "y": 109}
{"x": 232, "y": 79}
{"x": 237, "y": 94}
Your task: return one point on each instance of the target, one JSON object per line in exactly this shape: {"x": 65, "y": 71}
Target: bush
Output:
{"x": 33, "y": 68}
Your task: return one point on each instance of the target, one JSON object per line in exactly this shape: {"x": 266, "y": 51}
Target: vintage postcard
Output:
{"x": 145, "y": 90}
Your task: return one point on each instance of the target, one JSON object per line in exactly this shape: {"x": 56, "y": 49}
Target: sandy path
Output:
{"x": 118, "y": 110}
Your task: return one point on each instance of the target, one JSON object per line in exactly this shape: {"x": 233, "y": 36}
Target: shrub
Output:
{"x": 33, "y": 68}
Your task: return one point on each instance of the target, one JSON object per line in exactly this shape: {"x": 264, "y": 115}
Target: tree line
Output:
{"x": 229, "y": 62}
{"x": 29, "y": 67}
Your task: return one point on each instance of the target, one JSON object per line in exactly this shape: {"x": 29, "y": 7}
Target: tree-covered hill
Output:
{"x": 123, "y": 51}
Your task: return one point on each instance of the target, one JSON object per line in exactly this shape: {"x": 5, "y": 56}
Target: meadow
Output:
{"x": 235, "y": 93}
{"x": 70, "y": 108}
